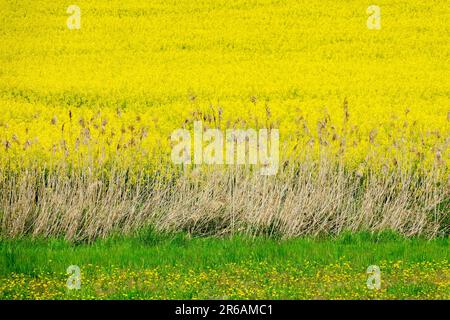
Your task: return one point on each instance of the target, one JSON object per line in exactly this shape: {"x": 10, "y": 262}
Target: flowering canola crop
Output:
{"x": 114, "y": 90}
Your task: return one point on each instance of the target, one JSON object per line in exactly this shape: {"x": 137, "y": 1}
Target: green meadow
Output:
{"x": 177, "y": 266}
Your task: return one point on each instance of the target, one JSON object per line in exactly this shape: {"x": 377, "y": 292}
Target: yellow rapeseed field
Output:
{"x": 116, "y": 88}
{"x": 88, "y": 112}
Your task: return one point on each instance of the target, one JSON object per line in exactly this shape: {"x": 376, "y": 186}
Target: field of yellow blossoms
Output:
{"x": 92, "y": 91}
{"x": 114, "y": 90}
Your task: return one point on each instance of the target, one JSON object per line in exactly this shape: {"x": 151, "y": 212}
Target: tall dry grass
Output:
{"x": 304, "y": 198}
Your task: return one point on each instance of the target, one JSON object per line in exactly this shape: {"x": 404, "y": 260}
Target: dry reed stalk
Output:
{"x": 304, "y": 198}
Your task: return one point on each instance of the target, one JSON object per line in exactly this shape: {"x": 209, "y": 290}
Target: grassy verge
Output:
{"x": 153, "y": 266}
